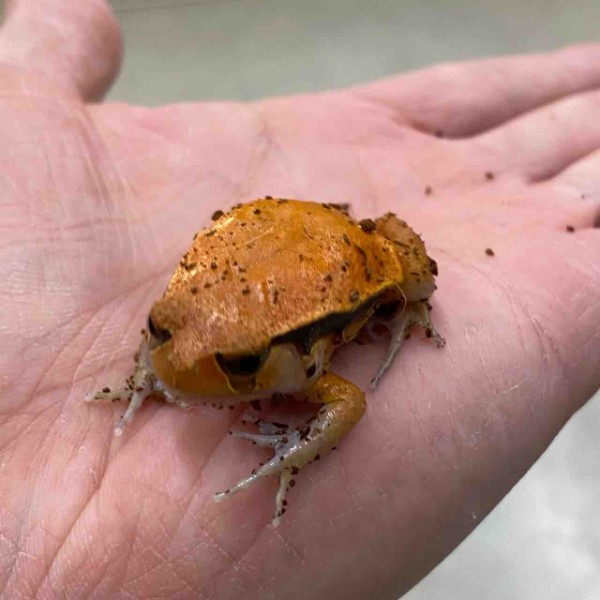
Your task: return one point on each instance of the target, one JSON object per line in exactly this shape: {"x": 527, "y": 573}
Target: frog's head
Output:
{"x": 280, "y": 367}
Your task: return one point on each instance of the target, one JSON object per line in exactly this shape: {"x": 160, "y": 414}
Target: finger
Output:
{"x": 544, "y": 142}
{"x": 583, "y": 177}
{"x": 459, "y": 100}
{"x": 71, "y": 44}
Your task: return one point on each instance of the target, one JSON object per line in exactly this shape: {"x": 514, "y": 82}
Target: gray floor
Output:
{"x": 543, "y": 541}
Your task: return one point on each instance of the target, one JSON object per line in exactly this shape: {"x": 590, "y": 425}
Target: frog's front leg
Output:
{"x": 343, "y": 405}
{"x": 414, "y": 313}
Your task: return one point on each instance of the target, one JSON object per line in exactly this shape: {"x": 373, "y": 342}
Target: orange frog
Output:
{"x": 259, "y": 303}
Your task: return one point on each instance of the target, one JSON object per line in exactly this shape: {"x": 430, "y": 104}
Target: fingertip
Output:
{"x": 74, "y": 45}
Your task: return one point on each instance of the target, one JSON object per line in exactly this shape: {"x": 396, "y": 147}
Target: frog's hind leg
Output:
{"x": 414, "y": 313}
{"x": 343, "y": 405}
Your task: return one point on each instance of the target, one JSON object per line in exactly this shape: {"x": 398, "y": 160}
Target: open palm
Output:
{"x": 98, "y": 202}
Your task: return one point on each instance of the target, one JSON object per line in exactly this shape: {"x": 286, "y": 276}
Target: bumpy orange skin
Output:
{"x": 263, "y": 269}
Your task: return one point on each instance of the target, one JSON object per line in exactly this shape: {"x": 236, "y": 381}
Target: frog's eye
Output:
{"x": 242, "y": 366}
{"x": 160, "y": 335}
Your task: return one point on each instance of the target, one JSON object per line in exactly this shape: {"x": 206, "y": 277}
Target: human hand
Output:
{"x": 100, "y": 201}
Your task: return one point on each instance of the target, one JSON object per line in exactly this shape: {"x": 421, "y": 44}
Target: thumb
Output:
{"x": 72, "y": 45}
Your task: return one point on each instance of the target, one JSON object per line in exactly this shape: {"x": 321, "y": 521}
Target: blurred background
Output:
{"x": 543, "y": 541}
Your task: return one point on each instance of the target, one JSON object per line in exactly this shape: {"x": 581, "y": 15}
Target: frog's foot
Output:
{"x": 343, "y": 405}
{"x": 141, "y": 391}
{"x": 140, "y": 385}
{"x": 414, "y": 313}
{"x": 284, "y": 445}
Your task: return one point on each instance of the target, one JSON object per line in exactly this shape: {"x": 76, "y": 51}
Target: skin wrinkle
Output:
{"x": 127, "y": 332}
{"x": 160, "y": 134}
{"x": 395, "y": 115}
{"x": 369, "y": 198}
{"x": 241, "y": 186}
{"x": 397, "y": 133}
{"x": 223, "y": 174}
{"x": 532, "y": 406}
{"x": 104, "y": 326}
{"x": 341, "y": 467}
{"x": 514, "y": 387}
{"x": 15, "y": 545}
{"x": 384, "y": 423}
{"x": 104, "y": 463}
{"x": 453, "y": 423}
{"x": 93, "y": 311}
{"x": 203, "y": 528}
{"x": 66, "y": 537}
{"x": 552, "y": 174}
{"x": 591, "y": 269}
{"x": 200, "y": 471}
{"x": 15, "y": 566}
{"x": 514, "y": 301}
{"x": 129, "y": 550}
{"x": 484, "y": 368}
{"x": 54, "y": 231}
{"x": 130, "y": 207}
{"x": 543, "y": 337}
{"x": 241, "y": 560}
{"x": 20, "y": 434}
{"x": 99, "y": 179}
{"x": 566, "y": 317}
{"x": 262, "y": 150}
{"x": 100, "y": 578}
{"x": 273, "y": 152}
{"x": 515, "y": 298}
{"x": 289, "y": 546}
{"x": 37, "y": 387}
{"x": 378, "y": 107}
{"x": 413, "y": 403}
{"x": 165, "y": 563}
{"x": 96, "y": 155}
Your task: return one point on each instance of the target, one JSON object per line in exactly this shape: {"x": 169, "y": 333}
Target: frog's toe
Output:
{"x": 274, "y": 466}
{"x": 260, "y": 439}
{"x": 137, "y": 399}
{"x": 107, "y": 395}
{"x": 143, "y": 386}
{"x": 440, "y": 342}
{"x": 285, "y": 482}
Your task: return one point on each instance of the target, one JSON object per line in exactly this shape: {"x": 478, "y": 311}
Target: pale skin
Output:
{"x": 99, "y": 201}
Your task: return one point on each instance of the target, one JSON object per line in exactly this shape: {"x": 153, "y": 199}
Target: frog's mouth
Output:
{"x": 279, "y": 368}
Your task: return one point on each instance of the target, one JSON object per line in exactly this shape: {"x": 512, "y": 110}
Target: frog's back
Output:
{"x": 269, "y": 267}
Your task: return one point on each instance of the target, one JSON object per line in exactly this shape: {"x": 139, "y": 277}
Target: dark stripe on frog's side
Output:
{"x": 307, "y": 335}
{"x": 247, "y": 365}
{"x": 242, "y": 376}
